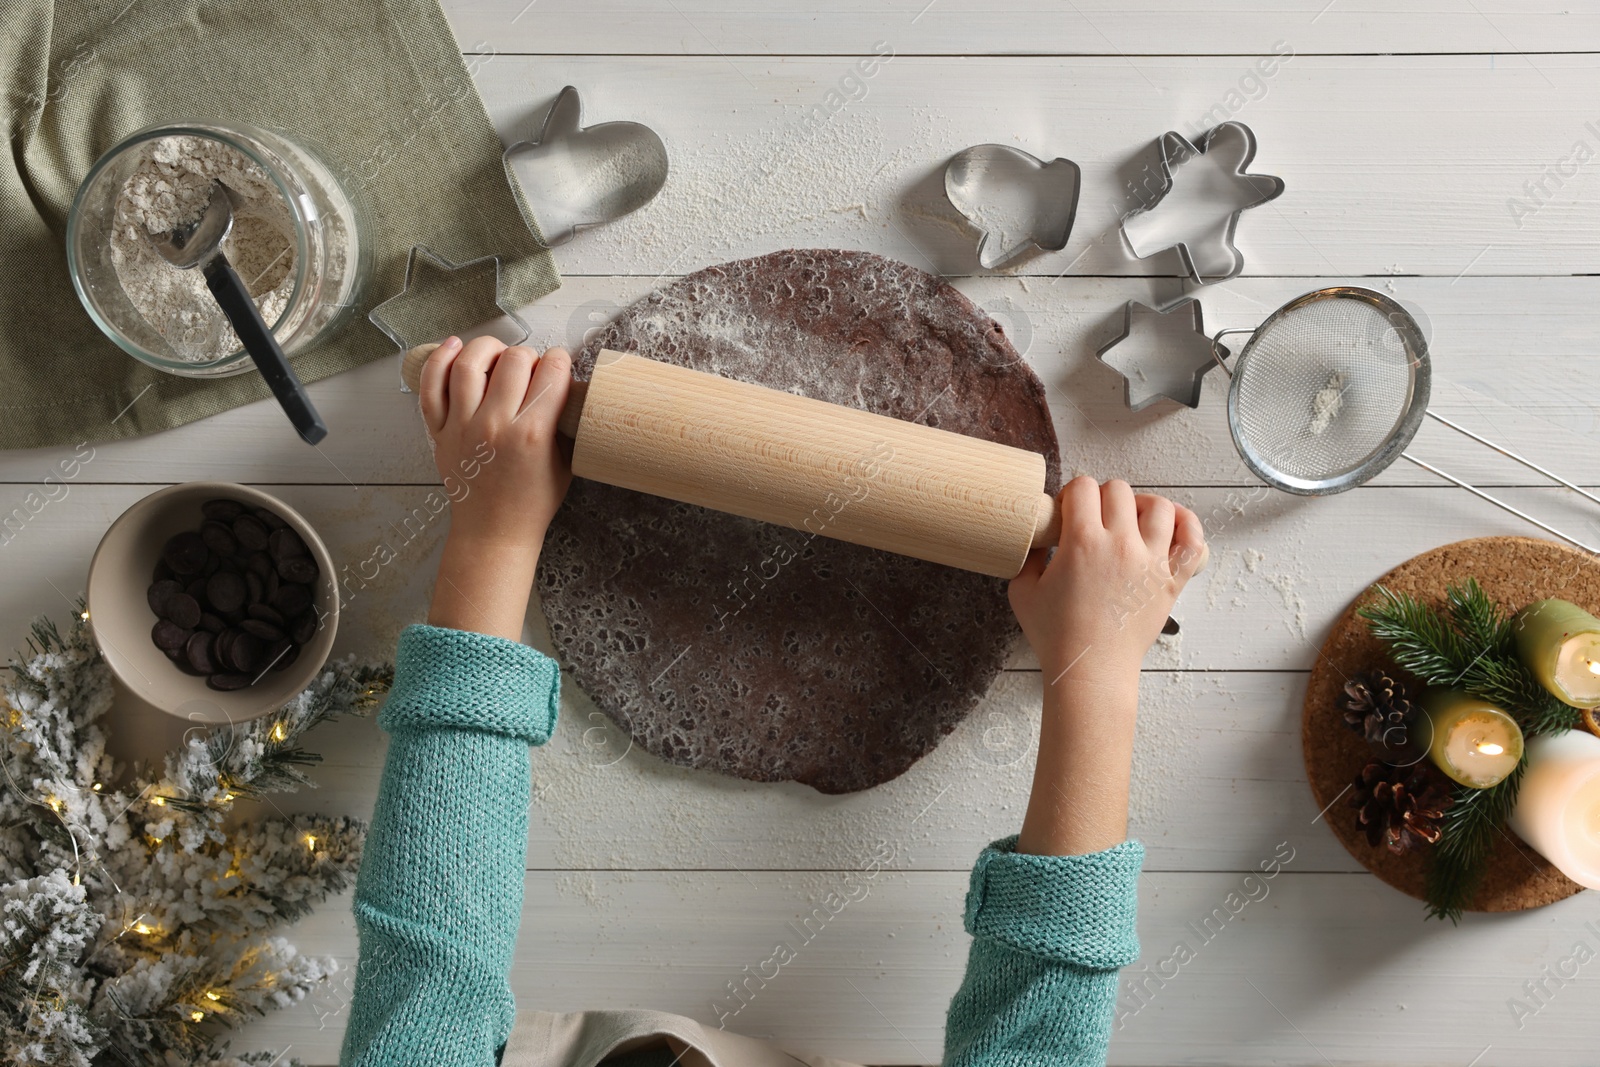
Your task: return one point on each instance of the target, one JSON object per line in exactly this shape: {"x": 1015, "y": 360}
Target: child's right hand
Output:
{"x": 1102, "y": 600}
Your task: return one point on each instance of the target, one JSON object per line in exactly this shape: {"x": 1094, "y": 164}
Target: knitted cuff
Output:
{"x": 455, "y": 679}
{"x": 1072, "y": 909}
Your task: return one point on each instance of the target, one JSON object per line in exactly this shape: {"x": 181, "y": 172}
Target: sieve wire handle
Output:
{"x": 1217, "y": 348}
{"x": 1497, "y": 502}
{"x": 1512, "y": 455}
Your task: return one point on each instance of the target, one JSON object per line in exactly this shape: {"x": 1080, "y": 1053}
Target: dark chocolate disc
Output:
{"x": 303, "y": 628}
{"x": 225, "y": 592}
{"x": 265, "y": 613}
{"x": 198, "y": 651}
{"x": 222, "y": 510}
{"x": 184, "y": 610}
{"x": 769, "y": 653}
{"x": 264, "y": 630}
{"x": 211, "y": 624}
{"x": 229, "y": 681}
{"x": 284, "y": 543}
{"x": 282, "y": 659}
{"x": 269, "y": 519}
{"x": 251, "y": 532}
{"x": 219, "y": 538}
{"x": 168, "y": 635}
{"x": 159, "y": 593}
{"x": 185, "y": 553}
{"x": 292, "y": 598}
{"x": 301, "y": 569}
{"x": 255, "y": 588}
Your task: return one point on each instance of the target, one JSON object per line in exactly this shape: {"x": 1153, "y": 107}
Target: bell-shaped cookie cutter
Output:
{"x": 577, "y": 176}
{"x": 1203, "y": 234}
{"x": 438, "y": 296}
{"x": 1014, "y": 199}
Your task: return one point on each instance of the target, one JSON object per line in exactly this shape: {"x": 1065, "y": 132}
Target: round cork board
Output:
{"x": 767, "y": 653}
{"x": 1515, "y": 571}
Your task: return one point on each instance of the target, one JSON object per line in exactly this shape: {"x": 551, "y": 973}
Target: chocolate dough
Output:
{"x": 769, "y": 653}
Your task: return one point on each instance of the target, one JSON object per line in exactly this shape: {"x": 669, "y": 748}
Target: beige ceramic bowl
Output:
{"x": 120, "y": 617}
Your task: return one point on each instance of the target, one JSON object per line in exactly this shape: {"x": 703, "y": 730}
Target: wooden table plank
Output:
{"x": 1310, "y": 968}
{"x": 1512, "y": 357}
{"x": 1393, "y": 164}
{"x": 968, "y": 27}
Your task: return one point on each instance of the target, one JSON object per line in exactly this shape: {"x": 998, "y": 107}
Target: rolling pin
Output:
{"x": 806, "y": 464}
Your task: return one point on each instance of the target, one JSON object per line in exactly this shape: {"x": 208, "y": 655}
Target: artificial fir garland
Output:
{"x": 135, "y": 922}
{"x": 1471, "y": 647}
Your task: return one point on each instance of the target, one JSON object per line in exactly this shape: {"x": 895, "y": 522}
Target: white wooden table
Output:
{"x": 1402, "y": 137}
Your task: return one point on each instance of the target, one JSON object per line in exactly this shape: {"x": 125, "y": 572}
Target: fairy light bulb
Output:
{"x": 279, "y": 733}
{"x": 55, "y": 804}
{"x": 159, "y": 802}
{"x": 144, "y": 929}
{"x": 213, "y": 995}
{"x": 197, "y": 1016}
{"x": 311, "y": 843}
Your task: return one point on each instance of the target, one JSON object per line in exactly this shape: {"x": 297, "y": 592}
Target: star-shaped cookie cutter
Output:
{"x": 1013, "y": 198}
{"x": 1202, "y": 231}
{"x": 1170, "y": 357}
{"x": 438, "y": 296}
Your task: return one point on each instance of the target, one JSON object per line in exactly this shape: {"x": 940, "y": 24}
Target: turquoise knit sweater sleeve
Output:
{"x": 439, "y": 896}
{"x": 1049, "y": 934}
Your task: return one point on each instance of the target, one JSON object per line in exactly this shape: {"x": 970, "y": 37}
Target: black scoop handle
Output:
{"x": 234, "y": 299}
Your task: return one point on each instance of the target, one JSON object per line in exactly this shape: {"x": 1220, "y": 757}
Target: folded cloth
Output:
{"x": 379, "y": 89}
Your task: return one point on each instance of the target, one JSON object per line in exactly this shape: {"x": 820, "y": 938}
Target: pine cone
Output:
{"x": 1377, "y": 707}
{"x": 1400, "y": 807}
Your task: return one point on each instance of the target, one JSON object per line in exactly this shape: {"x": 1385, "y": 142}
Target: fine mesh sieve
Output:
{"x": 1331, "y": 389}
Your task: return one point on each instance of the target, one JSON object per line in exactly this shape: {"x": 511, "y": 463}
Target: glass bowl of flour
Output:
{"x": 296, "y": 241}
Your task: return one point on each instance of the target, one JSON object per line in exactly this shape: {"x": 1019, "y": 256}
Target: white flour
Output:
{"x": 1327, "y": 404}
{"x": 171, "y": 186}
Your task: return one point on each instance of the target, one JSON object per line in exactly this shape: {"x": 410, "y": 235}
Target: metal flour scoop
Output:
{"x": 199, "y": 244}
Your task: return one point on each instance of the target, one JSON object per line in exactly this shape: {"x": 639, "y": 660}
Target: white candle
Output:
{"x": 1558, "y": 806}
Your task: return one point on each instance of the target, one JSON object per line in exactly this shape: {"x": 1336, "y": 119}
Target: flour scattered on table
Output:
{"x": 1327, "y": 404}
{"x": 170, "y": 187}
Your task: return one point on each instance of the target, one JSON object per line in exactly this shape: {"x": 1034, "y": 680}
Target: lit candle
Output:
{"x": 1474, "y": 742}
{"x": 1560, "y": 643}
{"x": 1558, "y": 806}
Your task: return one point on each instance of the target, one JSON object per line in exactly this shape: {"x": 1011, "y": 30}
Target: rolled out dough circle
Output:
{"x": 767, "y": 653}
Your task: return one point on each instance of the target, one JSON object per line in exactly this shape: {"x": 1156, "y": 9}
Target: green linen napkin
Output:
{"x": 379, "y": 88}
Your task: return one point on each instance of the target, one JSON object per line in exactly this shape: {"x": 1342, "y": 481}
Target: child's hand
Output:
{"x": 491, "y": 411}
{"x": 1101, "y": 601}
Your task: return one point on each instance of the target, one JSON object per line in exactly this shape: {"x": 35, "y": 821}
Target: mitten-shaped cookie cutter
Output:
{"x": 1013, "y": 198}
{"x": 577, "y": 176}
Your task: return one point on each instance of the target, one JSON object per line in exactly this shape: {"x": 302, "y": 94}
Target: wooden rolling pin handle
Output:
{"x": 567, "y": 425}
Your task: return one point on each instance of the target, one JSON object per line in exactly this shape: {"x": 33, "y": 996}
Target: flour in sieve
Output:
{"x": 171, "y": 186}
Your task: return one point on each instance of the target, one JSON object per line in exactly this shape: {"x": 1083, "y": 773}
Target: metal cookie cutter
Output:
{"x": 1161, "y": 353}
{"x": 1204, "y": 190}
{"x": 577, "y": 176}
{"x": 439, "y": 294}
{"x": 1014, "y": 199}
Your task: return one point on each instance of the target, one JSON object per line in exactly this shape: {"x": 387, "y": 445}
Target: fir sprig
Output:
{"x": 1470, "y": 647}
{"x": 127, "y": 910}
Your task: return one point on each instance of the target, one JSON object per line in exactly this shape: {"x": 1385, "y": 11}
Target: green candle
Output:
{"x": 1474, "y": 742}
{"x": 1560, "y": 643}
